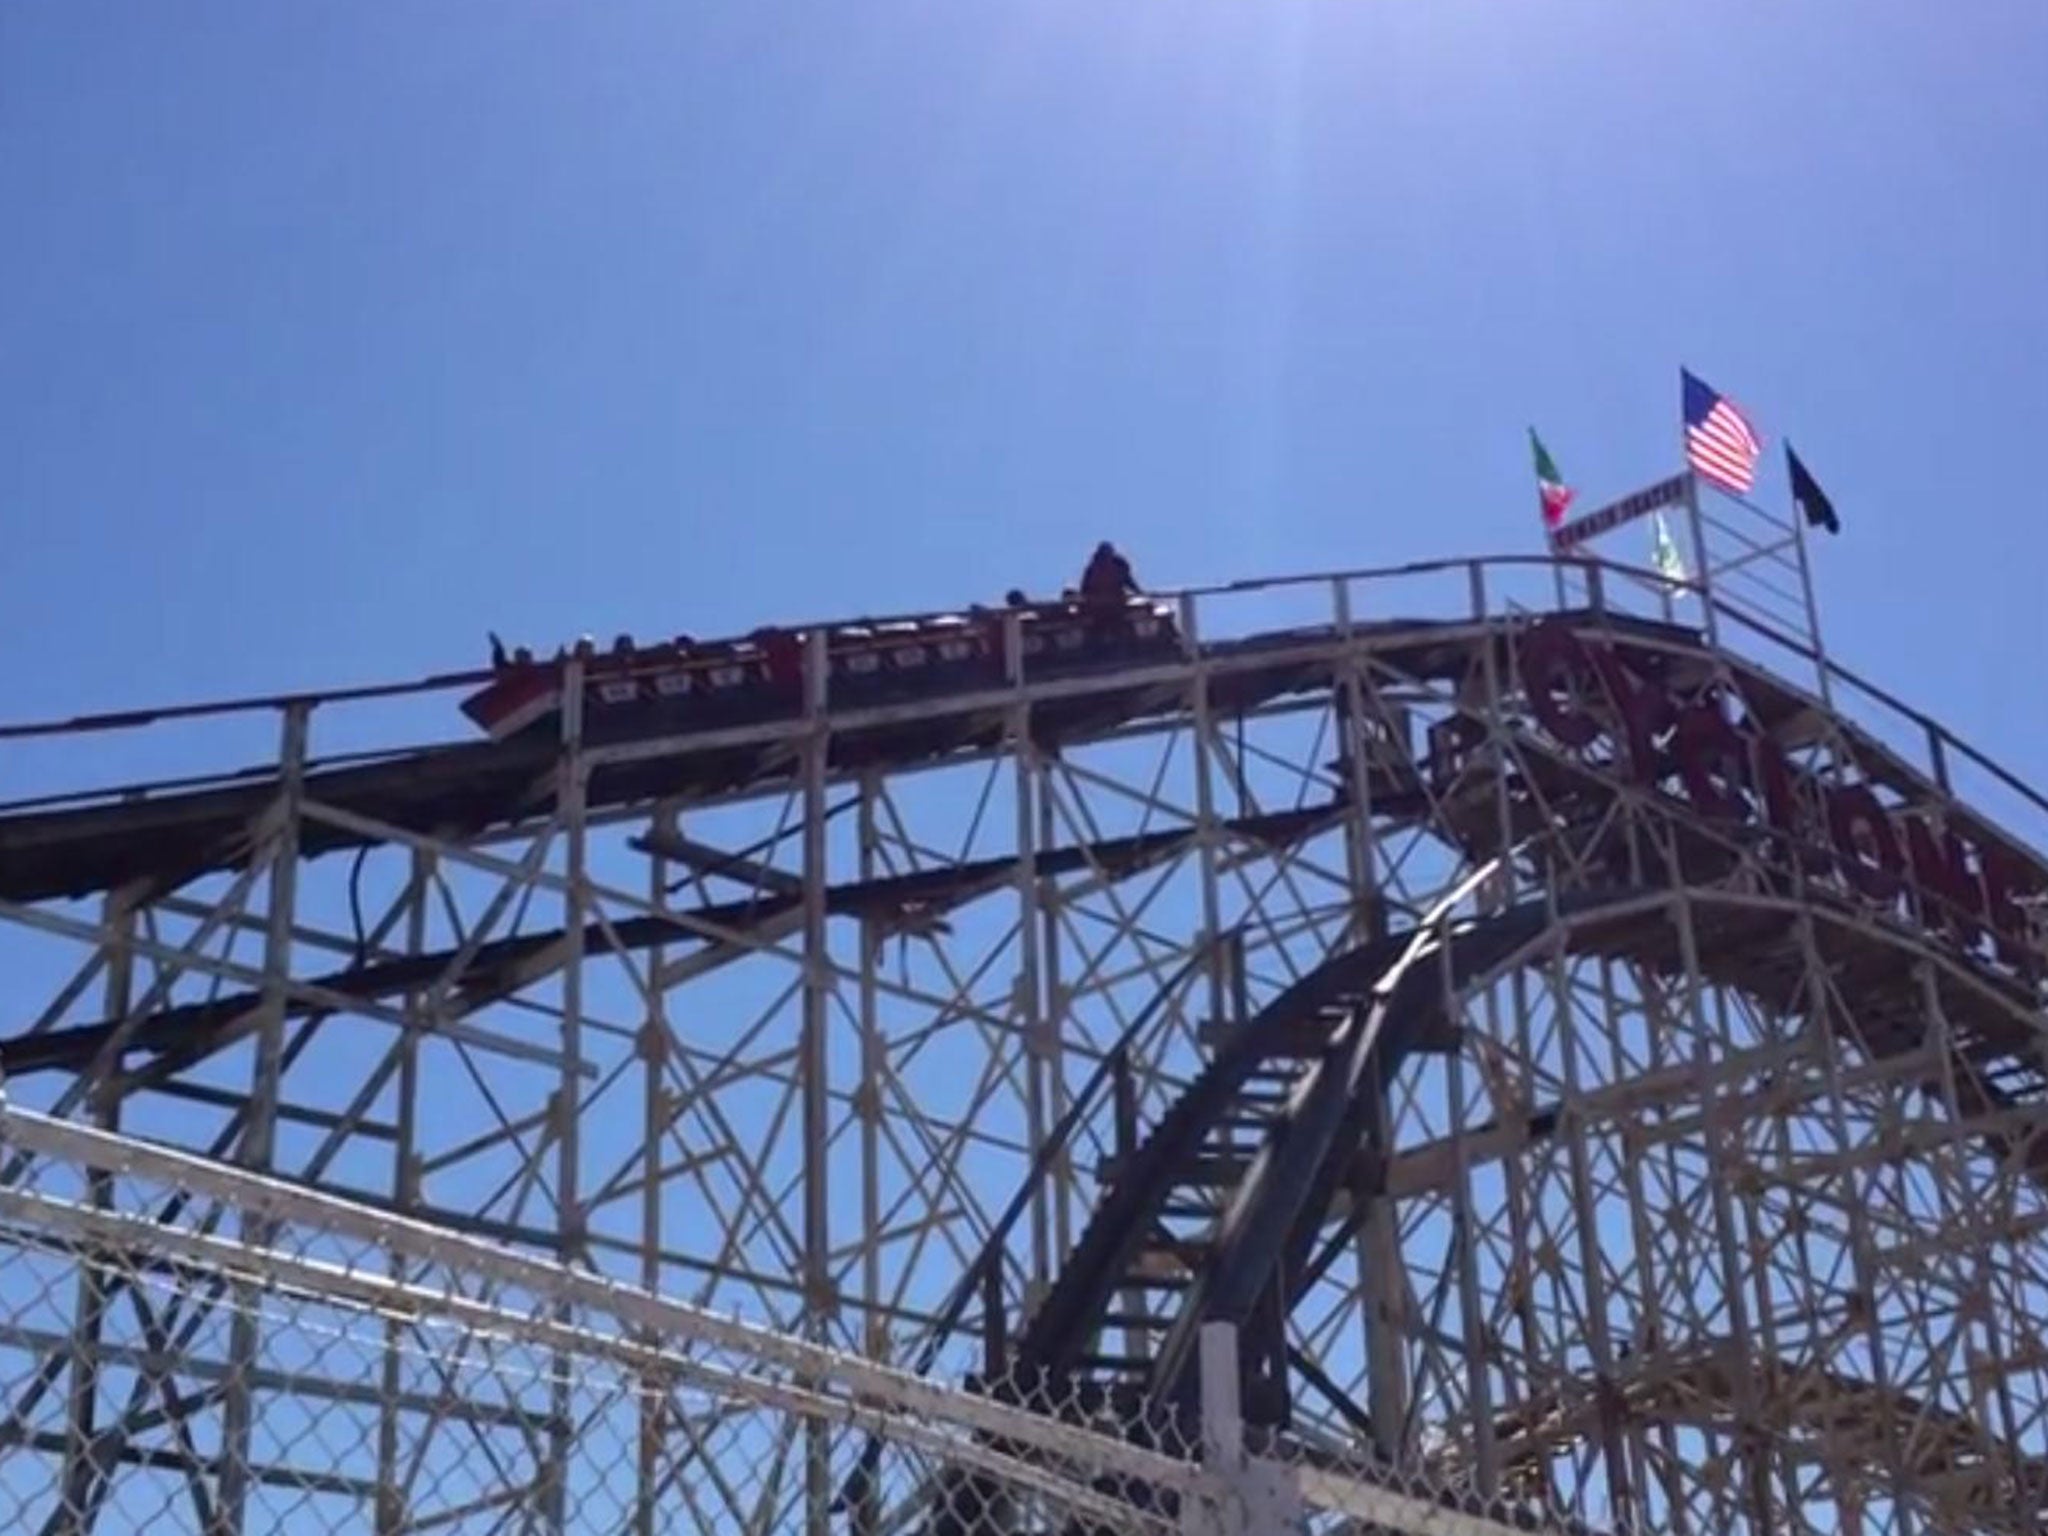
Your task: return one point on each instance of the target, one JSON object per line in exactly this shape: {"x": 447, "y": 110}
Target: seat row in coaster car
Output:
{"x": 689, "y": 686}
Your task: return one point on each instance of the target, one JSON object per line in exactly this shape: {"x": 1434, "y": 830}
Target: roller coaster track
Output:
{"x": 1275, "y": 1120}
{"x": 148, "y": 842}
{"x": 159, "y": 837}
{"x": 1249, "y": 1185}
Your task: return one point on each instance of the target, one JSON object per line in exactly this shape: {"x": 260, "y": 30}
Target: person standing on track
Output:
{"x": 1107, "y": 581}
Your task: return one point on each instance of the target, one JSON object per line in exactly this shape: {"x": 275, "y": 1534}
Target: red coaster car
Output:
{"x": 684, "y": 685}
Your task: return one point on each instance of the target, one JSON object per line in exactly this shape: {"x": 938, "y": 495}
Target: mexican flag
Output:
{"x": 1550, "y": 486}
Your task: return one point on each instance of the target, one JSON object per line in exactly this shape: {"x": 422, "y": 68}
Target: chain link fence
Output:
{"x": 186, "y": 1346}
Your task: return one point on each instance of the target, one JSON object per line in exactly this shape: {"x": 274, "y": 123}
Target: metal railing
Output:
{"x": 345, "y": 1369}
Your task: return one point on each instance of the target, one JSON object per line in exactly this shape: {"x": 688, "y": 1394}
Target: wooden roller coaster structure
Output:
{"x": 1609, "y": 900}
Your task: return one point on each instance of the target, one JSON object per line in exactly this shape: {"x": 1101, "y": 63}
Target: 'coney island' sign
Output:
{"x": 1590, "y": 701}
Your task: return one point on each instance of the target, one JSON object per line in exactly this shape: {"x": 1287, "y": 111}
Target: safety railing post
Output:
{"x": 1013, "y": 648}
{"x": 995, "y": 1330}
{"x": 1222, "y": 1399}
{"x": 820, "y": 1293}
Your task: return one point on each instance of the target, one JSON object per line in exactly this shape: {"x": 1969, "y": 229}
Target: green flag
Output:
{"x": 1550, "y": 487}
{"x": 1664, "y": 555}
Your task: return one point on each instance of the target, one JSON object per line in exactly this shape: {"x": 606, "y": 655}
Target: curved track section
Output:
{"x": 1274, "y": 1126}
{"x": 1238, "y": 1197}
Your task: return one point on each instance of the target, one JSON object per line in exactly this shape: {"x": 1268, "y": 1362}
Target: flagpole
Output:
{"x": 1667, "y": 593}
{"x": 1547, "y": 474}
{"x": 1569, "y": 572}
{"x": 1708, "y": 624}
{"x": 1820, "y": 654}
{"x": 1558, "y": 566}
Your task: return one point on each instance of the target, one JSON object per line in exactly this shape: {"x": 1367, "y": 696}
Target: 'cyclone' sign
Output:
{"x": 1593, "y": 703}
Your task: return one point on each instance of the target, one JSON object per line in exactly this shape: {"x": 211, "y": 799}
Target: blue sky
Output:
{"x": 334, "y": 334}
{"x": 337, "y": 333}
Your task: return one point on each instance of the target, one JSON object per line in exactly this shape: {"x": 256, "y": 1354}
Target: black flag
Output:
{"x": 1809, "y": 497}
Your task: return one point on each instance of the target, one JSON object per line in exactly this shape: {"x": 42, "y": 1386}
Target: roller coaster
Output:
{"x": 1588, "y": 1055}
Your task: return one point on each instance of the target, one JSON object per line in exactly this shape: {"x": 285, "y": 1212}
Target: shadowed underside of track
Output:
{"x": 1237, "y": 1201}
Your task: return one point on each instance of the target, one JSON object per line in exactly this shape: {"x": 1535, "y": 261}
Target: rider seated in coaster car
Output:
{"x": 504, "y": 661}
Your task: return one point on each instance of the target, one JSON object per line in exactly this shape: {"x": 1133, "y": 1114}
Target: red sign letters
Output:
{"x": 1707, "y": 753}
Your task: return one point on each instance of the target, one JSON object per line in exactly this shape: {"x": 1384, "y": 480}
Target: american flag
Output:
{"x": 1719, "y": 441}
